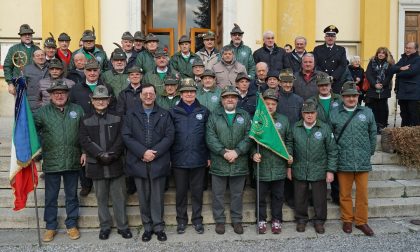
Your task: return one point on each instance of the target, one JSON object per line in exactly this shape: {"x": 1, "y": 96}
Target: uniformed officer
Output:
{"x": 331, "y": 58}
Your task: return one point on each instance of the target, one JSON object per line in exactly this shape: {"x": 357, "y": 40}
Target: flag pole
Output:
{"x": 33, "y": 166}
{"x": 258, "y": 190}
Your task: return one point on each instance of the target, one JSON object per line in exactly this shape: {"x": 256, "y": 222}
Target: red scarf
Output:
{"x": 64, "y": 58}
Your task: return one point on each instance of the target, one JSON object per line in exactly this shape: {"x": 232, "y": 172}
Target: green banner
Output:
{"x": 264, "y": 132}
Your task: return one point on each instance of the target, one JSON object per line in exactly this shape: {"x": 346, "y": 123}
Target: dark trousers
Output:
{"x": 150, "y": 193}
{"x": 114, "y": 187}
{"x": 276, "y": 188}
{"x": 193, "y": 179}
{"x": 84, "y": 181}
{"x": 409, "y": 113}
{"x": 319, "y": 196}
{"x": 52, "y": 189}
{"x": 380, "y": 111}
{"x": 289, "y": 192}
{"x": 335, "y": 189}
{"x": 236, "y": 187}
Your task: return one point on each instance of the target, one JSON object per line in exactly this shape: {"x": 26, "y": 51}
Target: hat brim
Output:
{"x": 308, "y": 110}
{"x": 229, "y": 93}
{"x": 350, "y": 92}
{"x": 323, "y": 83}
{"x": 101, "y": 97}
{"x": 271, "y": 97}
{"x": 50, "y": 90}
{"x": 209, "y": 75}
{"x": 88, "y": 38}
{"x": 23, "y": 33}
{"x": 185, "y": 88}
{"x": 287, "y": 79}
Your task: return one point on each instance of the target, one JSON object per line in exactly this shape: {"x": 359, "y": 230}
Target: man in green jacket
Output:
{"x": 314, "y": 163}
{"x": 170, "y": 97}
{"x": 354, "y": 128}
{"x": 145, "y": 59}
{"x": 58, "y": 123}
{"x": 27, "y": 46}
{"x": 117, "y": 77}
{"x": 326, "y": 101}
{"x": 160, "y": 72}
{"x": 272, "y": 169}
{"x": 89, "y": 49}
{"x": 243, "y": 53}
{"x": 228, "y": 142}
{"x": 182, "y": 61}
{"x": 209, "y": 94}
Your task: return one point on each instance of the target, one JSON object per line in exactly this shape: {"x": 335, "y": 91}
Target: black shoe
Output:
{"x": 85, "y": 191}
{"x": 104, "y": 234}
{"x": 161, "y": 236}
{"x": 131, "y": 190}
{"x": 199, "y": 228}
{"x": 126, "y": 233}
{"x": 180, "y": 229}
{"x": 335, "y": 201}
{"x": 147, "y": 236}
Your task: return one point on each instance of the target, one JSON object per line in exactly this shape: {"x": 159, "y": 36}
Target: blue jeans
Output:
{"x": 52, "y": 188}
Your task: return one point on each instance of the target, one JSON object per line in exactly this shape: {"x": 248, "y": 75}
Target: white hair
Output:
{"x": 268, "y": 34}
{"x": 354, "y": 59}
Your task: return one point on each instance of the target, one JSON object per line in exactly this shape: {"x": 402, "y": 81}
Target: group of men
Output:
{"x": 141, "y": 118}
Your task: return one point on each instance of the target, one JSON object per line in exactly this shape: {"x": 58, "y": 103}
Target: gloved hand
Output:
{"x": 106, "y": 158}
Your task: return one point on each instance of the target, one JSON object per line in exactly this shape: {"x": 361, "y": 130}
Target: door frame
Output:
{"x": 148, "y": 24}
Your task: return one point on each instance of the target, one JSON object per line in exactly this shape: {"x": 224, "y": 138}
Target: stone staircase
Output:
{"x": 394, "y": 191}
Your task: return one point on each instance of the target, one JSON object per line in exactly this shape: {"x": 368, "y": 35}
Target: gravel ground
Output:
{"x": 393, "y": 234}
{"x": 387, "y": 242}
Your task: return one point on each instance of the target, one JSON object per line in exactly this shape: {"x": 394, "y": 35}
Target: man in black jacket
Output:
{"x": 294, "y": 58}
{"x": 100, "y": 137}
{"x": 80, "y": 94}
{"x": 270, "y": 53}
{"x": 148, "y": 133}
{"x": 331, "y": 58}
{"x": 408, "y": 84}
{"x": 189, "y": 155}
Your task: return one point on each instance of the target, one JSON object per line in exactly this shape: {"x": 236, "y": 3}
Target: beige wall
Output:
{"x": 249, "y": 18}
{"x": 345, "y": 14}
{"x": 13, "y": 13}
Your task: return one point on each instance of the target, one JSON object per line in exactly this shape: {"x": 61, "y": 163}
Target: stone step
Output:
{"x": 378, "y": 208}
{"x": 378, "y": 173}
{"x": 6, "y": 198}
{"x": 377, "y": 189}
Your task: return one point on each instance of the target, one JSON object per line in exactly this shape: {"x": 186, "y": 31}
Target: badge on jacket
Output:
{"x": 73, "y": 114}
{"x": 278, "y": 125}
{"x": 199, "y": 116}
{"x": 214, "y": 98}
{"x": 362, "y": 117}
{"x": 240, "y": 120}
{"x": 318, "y": 135}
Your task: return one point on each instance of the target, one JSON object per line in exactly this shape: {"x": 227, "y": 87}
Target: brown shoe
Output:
{"x": 73, "y": 233}
{"x": 49, "y": 235}
{"x": 347, "y": 227}
{"x": 220, "y": 228}
{"x": 415, "y": 222}
{"x": 319, "y": 228}
{"x": 300, "y": 227}
{"x": 365, "y": 229}
{"x": 237, "y": 228}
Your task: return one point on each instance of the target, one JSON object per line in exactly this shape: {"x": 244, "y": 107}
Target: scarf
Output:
{"x": 379, "y": 68}
{"x": 64, "y": 58}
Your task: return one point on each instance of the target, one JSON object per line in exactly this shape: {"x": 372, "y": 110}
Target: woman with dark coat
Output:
{"x": 379, "y": 76}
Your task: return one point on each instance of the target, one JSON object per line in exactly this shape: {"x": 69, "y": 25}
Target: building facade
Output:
{"x": 364, "y": 24}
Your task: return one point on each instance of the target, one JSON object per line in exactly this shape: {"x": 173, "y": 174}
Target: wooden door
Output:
{"x": 412, "y": 27}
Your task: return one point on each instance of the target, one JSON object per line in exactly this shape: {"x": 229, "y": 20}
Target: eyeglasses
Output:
{"x": 59, "y": 93}
{"x": 237, "y": 35}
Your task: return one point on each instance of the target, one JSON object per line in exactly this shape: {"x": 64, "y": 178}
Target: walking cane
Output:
{"x": 33, "y": 166}
{"x": 395, "y": 112}
{"x": 258, "y": 190}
